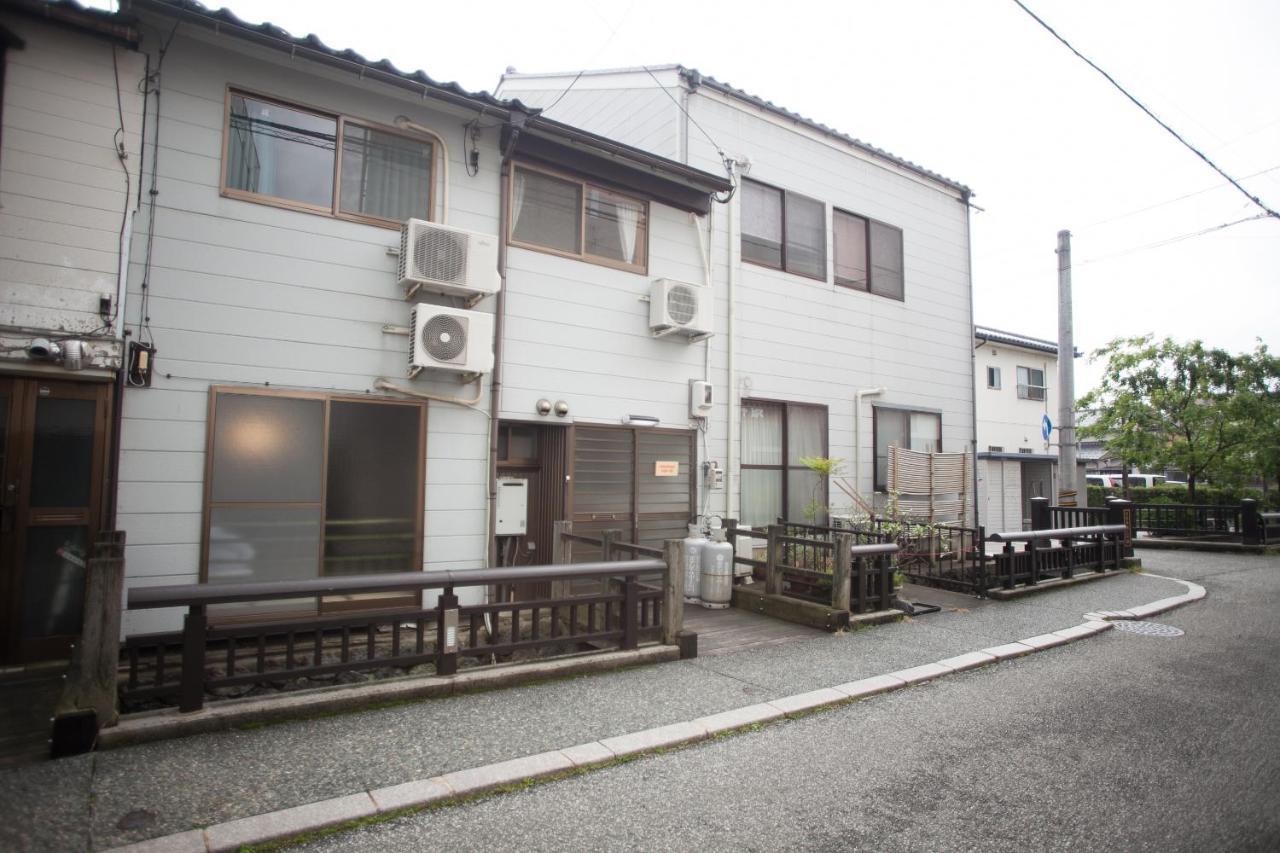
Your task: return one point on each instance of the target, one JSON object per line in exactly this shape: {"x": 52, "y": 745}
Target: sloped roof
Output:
{"x": 988, "y": 335}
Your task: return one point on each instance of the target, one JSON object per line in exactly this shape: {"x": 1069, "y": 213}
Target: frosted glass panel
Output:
{"x": 761, "y": 224}
{"x": 924, "y": 432}
{"x": 806, "y": 497}
{"x": 806, "y": 433}
{"x": 267, "y": 448}
{"x": 546, "y": 211}
{"x": 761, "y": 434}
{"x": 62, "y": 454}
{"x": 761, "y": 497}
{"x": 384, "y": 174}
{"x": 251, "y": 544}
{"x": 806, "y": 236}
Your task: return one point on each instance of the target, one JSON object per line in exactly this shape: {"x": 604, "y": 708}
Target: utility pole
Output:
{"x": 1066, "y": 378}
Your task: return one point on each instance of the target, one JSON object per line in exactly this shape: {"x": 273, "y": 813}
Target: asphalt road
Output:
{"x": 1120, "y": 742}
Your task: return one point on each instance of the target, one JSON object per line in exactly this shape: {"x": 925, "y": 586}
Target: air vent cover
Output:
{"x": 682, "y": 304}
{"x": 440, "y": 255}
{"x": 445, "y": 337}
{"x": 678, "y": 307}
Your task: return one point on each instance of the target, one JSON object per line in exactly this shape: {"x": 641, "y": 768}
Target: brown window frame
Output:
{"x": 869, "y": 285}
{"x": 782, "y": 266}
{"x": 784, "y": 466}
{"x": 583, "y": 254}
{"x": 334, "y": 210}
{"x": 209, "y": 504}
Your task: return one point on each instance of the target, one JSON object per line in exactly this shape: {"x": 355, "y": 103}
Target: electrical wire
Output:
{"x": 1153, "y": 116}
{"x": 152, "y": 87}
{"x": 1170, "y": 240}
{"x": 118, "y": 139}
{"x": 725, "y": 159}
{"x": 1166, "y": 202}
{"x": 560, "y": 97}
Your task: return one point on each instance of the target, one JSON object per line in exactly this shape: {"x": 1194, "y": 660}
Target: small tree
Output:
{"x": 1170, "y": 405}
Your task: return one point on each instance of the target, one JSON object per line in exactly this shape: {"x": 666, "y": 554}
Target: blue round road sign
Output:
{"x": 1046, "y": 427}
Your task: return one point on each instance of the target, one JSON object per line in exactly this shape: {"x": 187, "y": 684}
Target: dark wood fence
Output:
{"x": 1269, "y": 528}
{"x": 633, "y": 601}
{"x": 1241, "y": 523}
{"x": 1098, "y": 548}
{"x": 821, "y": 565}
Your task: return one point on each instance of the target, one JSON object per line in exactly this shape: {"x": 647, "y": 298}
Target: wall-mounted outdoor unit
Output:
{"x": 443, "y": 259}
{"x": 680, "y": 308}
{"x": 450, "y": 339}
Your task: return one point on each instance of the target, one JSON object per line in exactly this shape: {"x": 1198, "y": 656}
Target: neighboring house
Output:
{"x": 841, "y": 273}
{"x": 1016, "y": 388}
{"x": 611, "y": 325}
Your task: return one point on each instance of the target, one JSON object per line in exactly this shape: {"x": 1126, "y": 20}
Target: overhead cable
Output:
{"x": 1153, "y": 116}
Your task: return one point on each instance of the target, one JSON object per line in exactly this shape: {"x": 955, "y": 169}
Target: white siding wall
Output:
{"x": 1004, "y": 420}
{"x": 646, "y": 117}
{"x": 248, "y": 293}
{"x": 799, "y": 339}
{"x": 62, "y": 187}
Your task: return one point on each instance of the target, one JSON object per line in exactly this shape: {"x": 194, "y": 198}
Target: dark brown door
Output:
{"x": 53, "y": 440}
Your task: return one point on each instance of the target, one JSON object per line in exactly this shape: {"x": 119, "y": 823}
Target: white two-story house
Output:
{"x": 1016, "y": 392}
{"x": 843, "y": 321}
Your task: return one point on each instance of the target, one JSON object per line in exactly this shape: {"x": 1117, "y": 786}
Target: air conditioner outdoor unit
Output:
{"x": 677, "y": 307}
{"x": 443, "y": 259}
{"x": 450, "y": 339}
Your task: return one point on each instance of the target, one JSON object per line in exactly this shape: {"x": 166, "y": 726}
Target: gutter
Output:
{"x": 973, "y": 358}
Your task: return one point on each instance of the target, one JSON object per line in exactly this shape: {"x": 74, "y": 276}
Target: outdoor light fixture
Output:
{"x": 562, "y": 408}
{"x": 640, "y": 420}
{"x": 543, "y": 406}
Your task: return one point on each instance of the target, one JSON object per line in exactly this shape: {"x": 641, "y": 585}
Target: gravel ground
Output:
{"x": 154, "y": 789}
{"x": 1120, "y": 742}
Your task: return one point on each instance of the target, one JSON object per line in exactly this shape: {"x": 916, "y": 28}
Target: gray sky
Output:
{"x": 976, "y": 90}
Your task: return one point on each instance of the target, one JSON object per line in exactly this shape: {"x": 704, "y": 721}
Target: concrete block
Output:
{"x": 1075, "y": 632}
{"x": 657, "y": 738}
{"x": 739, "y": 717}
{"x": 419, "y": 792}
{"x": 479, "y": 779}
{"x": 924, "y": 672}
{"x": 1008, "y": 650}
{"x": 870, "y": 686}
{"x": 586, "y": 754}
{"x": 808, "y": 701}
{"x": 191, "y": 841}
{"x": 287, "y": 823}
{"x": 1099, "y": 625}
{"x": 960, "y": 663}
{"x": 1044, "y": 641}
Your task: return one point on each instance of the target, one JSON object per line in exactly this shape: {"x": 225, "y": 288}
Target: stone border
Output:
{"x": 450, "y": 787}
{"x": 217, "y": 716}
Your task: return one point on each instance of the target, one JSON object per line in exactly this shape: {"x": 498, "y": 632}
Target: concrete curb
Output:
{"x": 420, "y": 793}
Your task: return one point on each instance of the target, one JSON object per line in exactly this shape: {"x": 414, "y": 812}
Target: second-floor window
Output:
{"x": 568, "y": 216}
{"x": 868, "y": 255}
{"x": 1030, "y": 383}
{"x": 784, "y": 230}
{"x": 324, "y": 163}
{"x": 993, "y": 377}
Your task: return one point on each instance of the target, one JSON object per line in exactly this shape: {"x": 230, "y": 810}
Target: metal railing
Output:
{"x": 215, "y": 654}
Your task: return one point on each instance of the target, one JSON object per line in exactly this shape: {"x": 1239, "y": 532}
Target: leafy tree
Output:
{"x": 1259, "y": 402}
{"x": 1164, "y": 404}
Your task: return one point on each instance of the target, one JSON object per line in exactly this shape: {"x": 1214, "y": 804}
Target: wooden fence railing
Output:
{"x": 207, "y": 655}
{"x": 1098, "y": 548}
{"x": 1269, "y": 528}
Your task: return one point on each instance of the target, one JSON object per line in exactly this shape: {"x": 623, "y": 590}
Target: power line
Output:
{"x": 1171, "y": 240}
{"x": 1182, "y": 197}
{"x": 724, "y": 158}
{"x": 1152, "y": 115}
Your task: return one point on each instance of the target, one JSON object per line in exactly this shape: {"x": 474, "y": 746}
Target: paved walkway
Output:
{"x": 106, "y": 799}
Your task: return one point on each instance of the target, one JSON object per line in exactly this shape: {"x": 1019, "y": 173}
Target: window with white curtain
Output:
{"x": 281, "y": 154}
{"x": 906, "y": 429}
{"x": 568, "y": 216}
{"x": 784, "y": 230}
{"x": 776, "y": 436}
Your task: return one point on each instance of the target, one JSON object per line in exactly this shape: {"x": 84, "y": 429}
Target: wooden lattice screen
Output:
{"x": 931, "y": 487}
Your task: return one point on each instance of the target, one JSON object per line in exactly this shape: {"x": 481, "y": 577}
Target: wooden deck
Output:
{"x": 27, "y": 699}
{"x": 733, "y": 629}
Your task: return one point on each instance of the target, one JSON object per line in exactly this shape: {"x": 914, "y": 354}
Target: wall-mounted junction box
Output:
{"x": 512, "y": 513}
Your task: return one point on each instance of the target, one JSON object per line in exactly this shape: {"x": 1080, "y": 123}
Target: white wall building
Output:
{"x": 843, "y": 294}
{"x": 268, "y": 429}
{"x": 1015, "y": 390}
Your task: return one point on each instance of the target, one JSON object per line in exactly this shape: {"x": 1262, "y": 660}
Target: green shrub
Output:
{"x": 1166, "y": 494}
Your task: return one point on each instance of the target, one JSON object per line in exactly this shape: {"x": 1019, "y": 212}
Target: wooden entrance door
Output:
{"x": 52, "y": 457}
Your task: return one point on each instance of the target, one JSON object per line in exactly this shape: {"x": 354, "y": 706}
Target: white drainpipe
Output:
{"x": 731, "y": 448}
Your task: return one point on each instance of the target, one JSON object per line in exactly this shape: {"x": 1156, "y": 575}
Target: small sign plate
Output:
{"x": 1046, "y": 427}
{"x": 664, "y": 468}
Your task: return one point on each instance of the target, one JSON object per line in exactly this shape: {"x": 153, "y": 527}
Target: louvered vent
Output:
{"x": 682, "y": 304}
{"x": 444, "y": 337}
{"x": 440, "y": 256}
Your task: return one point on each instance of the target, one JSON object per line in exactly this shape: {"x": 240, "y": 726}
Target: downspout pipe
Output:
{"x": 731, "y": 476}
{"x": 514, "y": 127}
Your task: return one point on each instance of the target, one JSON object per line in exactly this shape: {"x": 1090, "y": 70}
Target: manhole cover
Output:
{"x": 1149, "y": 629}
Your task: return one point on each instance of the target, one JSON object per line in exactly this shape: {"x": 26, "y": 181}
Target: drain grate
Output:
{"x": 1147, "y": 629}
